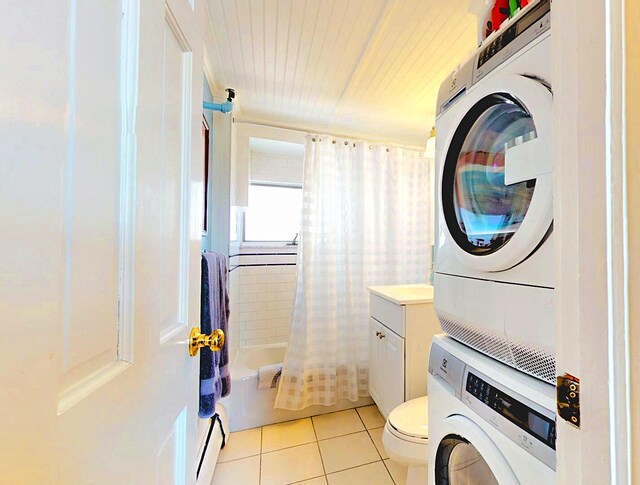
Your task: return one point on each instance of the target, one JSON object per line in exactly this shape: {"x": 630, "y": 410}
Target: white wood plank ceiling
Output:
{"x": 364, "y": 68}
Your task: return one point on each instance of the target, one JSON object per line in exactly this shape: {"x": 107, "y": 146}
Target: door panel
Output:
{"x": 171, "y": 458}
{"x": 101, "y": 240}
{"x": 33, "y": 138}
{"x": 375, "y": 362}
{"x": 92, "y": 192}
{"x": 176, "y": 140}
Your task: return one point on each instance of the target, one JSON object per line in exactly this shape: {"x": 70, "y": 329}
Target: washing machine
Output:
{"x": 494, "y": 284}
{"x": 488, "y": 423}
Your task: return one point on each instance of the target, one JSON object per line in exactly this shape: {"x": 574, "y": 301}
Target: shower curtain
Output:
{"x": 365, "y": 221}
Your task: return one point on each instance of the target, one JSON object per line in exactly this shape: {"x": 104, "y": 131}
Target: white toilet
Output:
{"x": 405, "y": 438}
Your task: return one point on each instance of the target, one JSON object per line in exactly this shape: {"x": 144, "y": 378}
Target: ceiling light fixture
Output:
{"x": 430, "y": 150}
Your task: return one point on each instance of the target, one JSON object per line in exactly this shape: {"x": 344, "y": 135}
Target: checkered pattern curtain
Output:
{"x": 366, "y": 221}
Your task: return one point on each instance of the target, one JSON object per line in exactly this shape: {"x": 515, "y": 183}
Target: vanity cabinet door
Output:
{"x": 375, "y": 361}
{"x": 392, "y": 389}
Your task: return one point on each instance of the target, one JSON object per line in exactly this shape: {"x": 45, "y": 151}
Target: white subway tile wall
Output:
{"x": 267, "y": 167}
{"x": 262, "y": 291}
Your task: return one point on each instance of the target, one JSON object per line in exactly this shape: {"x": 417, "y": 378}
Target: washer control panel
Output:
{"x": 527, "y": 424}
{"x": 528, "y": 419}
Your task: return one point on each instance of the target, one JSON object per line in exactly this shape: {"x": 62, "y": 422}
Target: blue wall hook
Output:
{"x": 225, "y": 107}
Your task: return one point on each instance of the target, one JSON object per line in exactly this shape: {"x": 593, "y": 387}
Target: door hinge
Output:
{"x": 568, "y": 398}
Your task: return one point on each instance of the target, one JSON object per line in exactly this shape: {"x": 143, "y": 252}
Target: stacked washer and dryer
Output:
{"x": 491, "y": 380}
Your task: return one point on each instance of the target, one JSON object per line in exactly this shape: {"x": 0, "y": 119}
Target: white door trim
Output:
{"x": 631, "y": 97}
{"x": 617, "y": 246}
{"x": 130, "y": 59}
{"x": 579, "y": 119}
{"x": 592, "y": 234}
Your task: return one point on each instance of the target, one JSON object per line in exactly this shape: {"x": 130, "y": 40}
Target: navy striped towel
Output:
{"x": 215, "y": 381}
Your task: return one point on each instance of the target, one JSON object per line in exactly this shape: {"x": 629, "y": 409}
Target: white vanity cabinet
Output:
{"x": 401, "y": 324}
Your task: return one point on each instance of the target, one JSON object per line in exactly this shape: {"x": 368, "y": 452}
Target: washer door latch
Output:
{"x": 568, "y": 398}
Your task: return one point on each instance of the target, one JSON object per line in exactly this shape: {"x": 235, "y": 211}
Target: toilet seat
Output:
{"x": 405, "y": 438}
{"x": 405, "y": 435}
{"x": 409, "y": 421}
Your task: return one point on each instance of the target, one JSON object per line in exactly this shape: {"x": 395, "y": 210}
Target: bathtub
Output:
{"x": 250, "y": 407}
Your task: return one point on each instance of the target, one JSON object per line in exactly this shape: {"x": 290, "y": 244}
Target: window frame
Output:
{"x": 246, "y": 242}
{"x": 206, "y": 135}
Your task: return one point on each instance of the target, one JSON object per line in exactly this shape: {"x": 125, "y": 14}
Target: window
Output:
{"x": 273, "y": 213}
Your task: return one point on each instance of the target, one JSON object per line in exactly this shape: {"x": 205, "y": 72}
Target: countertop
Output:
{"x": 404, "y": 294}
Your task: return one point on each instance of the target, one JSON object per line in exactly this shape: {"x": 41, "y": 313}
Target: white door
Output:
{"x": 100, "y": 108}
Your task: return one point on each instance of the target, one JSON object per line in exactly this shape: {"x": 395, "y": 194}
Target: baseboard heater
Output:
{"x": 212, "y": 436}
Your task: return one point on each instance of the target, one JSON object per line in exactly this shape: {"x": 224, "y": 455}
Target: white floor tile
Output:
{"x": 371, "y": 417}
{"x": 376, "y": 436}
{"x": 337, "y": 424}
{"x": 286, "y": 435}
{"x": 314, "y": 481}
{"x": 347, "y": 451}
{"x": 241, "y": 444}
{"x": 398, "y": 471}
{"x": 372, "y": 474}
{"x": 288, "y": 453}
{"x": 291, "y": 465}
{"x": 245, "y": 471}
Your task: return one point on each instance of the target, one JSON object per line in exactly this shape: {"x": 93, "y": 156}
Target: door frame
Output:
{"x": 596, "y": 58}
{"x": 630, "y": 101}
{"x": 623, "y": 35}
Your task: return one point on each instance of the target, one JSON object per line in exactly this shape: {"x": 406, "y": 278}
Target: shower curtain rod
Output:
{"x": 353, "y": 143}
{"x": 308, "y": 131}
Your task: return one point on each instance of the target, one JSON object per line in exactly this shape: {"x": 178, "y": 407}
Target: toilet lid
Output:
{"x": 410, "y": 418}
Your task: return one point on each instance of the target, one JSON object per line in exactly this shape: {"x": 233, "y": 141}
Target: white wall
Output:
{"x": 268, "y": 167}
{"x": 217, "y": 237}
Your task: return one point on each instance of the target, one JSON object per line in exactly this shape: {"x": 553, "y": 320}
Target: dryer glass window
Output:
{"x": 459, "y": 462}
{"x": 482, "y": 212}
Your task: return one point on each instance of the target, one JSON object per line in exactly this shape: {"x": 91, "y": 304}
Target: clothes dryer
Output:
{"x": 494, "y": 287}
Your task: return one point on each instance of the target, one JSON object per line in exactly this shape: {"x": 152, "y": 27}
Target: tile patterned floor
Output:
{"x": 343, "y": 448}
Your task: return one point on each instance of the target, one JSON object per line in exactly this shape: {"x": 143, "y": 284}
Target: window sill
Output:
{"x": 267, "y": 245}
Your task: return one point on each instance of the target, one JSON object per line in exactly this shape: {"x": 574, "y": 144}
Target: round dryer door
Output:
{"x": 459, "y": 462}
{"x": 497, "y": 193}
{"x": 466, "y": 455}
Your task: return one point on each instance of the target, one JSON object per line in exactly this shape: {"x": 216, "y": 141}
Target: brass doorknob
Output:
{"x": 197, "y": 340}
